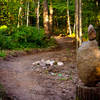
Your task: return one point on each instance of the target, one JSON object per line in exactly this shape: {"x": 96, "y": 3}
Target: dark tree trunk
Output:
{"x": 76, "y": 23}
{"x": 80, "y": 22}
{"x": 46, "y": 17}
{"x": 87, "y": 93}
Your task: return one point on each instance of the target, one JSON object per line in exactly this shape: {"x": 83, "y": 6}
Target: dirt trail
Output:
{"x": 23, "y": 81}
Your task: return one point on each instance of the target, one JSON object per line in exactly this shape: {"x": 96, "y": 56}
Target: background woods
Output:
{"x": 68, "y": 17}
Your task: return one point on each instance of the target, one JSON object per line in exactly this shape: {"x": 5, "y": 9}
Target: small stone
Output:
{"x": 36, "y": 63}
{"x": 42, "y": 60}
{"x": 60, "y": 63}
{"x": 44, "y": 67}
{"x": 47, "y": 63}
{"x": 52, "y": 73}
{"x": 52, "y": 63}
{"x": 42, "y": 64}
{"x": 91, "y": 32}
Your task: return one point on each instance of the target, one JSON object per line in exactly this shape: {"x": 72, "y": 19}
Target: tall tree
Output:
{"x": 68, "y": 20}
{"x": 51, "y": 17}
{"x": 19, "y": 15}
{"x": 28, "y": 4}
{"x": 76, "y": 22}
{"x": 45, "y": 17}
{"x": 80, "y": 22}
{"x": 37, "y": 14}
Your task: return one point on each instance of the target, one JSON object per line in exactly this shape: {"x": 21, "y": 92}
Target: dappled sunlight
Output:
{"x": 58, "y": 37}
{"x": 72, "y": 36}
{"x": 62, "y": 36}
{"x": 3, "y": 27}
{"x": 69, "y": 39}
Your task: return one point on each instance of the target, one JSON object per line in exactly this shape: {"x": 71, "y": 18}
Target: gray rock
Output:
{"x": 60, "y": 63}
{"x": 88, "y": 62}
{"x": 91, "y": 32}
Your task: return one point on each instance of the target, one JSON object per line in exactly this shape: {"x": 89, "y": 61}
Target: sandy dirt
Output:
{"x": 23, "y": 81}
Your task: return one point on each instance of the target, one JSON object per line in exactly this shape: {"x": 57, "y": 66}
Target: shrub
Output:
{"x": 23, "y": 37}
{"x": 85, "y": 37}
{"x": 2, "y": 54}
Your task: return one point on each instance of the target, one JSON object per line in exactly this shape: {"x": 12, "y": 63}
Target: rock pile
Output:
{"x": 46, "y": 63}
{"x": 88, "y": 60}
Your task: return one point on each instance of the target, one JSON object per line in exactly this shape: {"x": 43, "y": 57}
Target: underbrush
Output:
{"x": 2, "y": 54}
{"x": 85, "y": 37}
{"x": 23, "y": 37}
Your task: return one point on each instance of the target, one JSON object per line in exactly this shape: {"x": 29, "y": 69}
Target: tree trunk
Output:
{"x": 27, "y": 14}
{"x": 20, "y": 21}
{"x": 76, "y": 23}
{"x": 51, "y": 18}
{"x": 19, "y": 16}
{"x": 45, "y": 17}
{"x": 37, "y": 13}
{"x": 80, "y": 22}
{"x": 87, "y": 93}
{"x": 68, "y": 20}
{"x": 97, "y": 3}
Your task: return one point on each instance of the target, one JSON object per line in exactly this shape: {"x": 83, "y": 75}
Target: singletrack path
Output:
{"x": 23, "y": 81}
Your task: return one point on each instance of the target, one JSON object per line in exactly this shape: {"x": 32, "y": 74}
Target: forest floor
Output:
{"x": 23, "y": 81}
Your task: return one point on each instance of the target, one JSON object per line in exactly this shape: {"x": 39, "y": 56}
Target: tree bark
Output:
{"x": 80, "y": 22}
{"x": 97, "y": 3}
{"x": 76, "y": 23}
{"x": 37, "y": 13}
{"x": 45, "y": 17}
{"x": 87, "y": 93}
{"x": 27, "y": 14}
{"x": 68, "y": 20}
{"x": 19, "y": 16}
{"x": 51, "y": 18}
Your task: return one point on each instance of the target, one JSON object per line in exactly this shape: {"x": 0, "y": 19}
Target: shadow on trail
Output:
{"x": 21, "y": 82}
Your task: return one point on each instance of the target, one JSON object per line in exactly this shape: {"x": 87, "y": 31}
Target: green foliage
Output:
{"x": 85, "y": 37}
{"x": 23, "y": 37}
{"x": 3, "y": 27}
{"x": 90, "y": 13}
{"x": 2, "y": 54}
{"x": 9, "y": 12}
{"x": 51, "y": 42}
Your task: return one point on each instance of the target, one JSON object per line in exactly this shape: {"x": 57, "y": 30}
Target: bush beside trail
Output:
{"x": 23, "y": 37}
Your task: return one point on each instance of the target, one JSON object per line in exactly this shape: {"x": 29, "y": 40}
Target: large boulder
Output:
{"x": 88, "y": 61}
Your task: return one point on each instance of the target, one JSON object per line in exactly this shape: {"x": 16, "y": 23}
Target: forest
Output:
{"x": 39, "y": 41}
{"x": 24, "y": 24}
